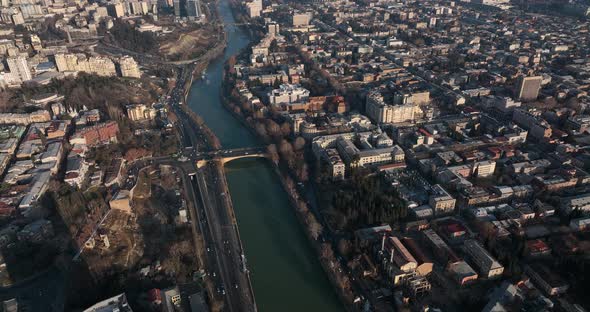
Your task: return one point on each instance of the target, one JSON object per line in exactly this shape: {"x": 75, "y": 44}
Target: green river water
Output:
{"x": 286, "y": 274}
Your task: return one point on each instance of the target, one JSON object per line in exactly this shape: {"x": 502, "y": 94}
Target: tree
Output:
{"x": 199, "y": 120}
{"x": 273, "y": 129}
{"x": 231, "y": 62}
{"x": 302, "y": 172}
{"x": 342, "y": 280}
{"x": 299, "y": 143}
{"x": 261, "y": 130}
{"x": 419, "y": 42}
{"x": 258, "y": 114}
{"x": 272, "y": 151}
{"x": 456, "y": 60}
{"x": 355, "y": 160}
{"x": 315, "y": 228}
{"x": 326, "y": 251}
{"x": 286, "y": 151}
{"x": 131, "y": 39}
{"x": 302, "y": 207}
{"x": 285, "y": 129}
{"x": 344, "y": 246}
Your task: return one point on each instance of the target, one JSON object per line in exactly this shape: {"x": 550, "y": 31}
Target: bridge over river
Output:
{"x": 227, "y": 155}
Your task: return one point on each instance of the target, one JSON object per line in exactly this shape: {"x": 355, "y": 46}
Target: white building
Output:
{"x": 19, "y": 68}
{"x": 254, "y": 8}
{"x": 117, "y": 303}
{"x": 288, "y": 94}
{"x": 381, "y": 112}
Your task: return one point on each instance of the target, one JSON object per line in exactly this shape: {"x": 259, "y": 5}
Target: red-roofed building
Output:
{"x": 470, "y": 110}
{"x": 495, "y": 152}
{"x": 95, "y": 135}
{"x": 424, "y": 132}
{"x": 395, "y": 166}
{"x": 537, "y": 247}
{"x": 155, "y": 296}
{"x": 451, "y": 228}
{"x": 454, "y": 230}
{"x": 6, "y": 210}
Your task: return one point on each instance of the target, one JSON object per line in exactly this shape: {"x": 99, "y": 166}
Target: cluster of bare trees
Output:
{"x": 314, "y": 230}
{"x": 132, "y": 39}
{"x": 210, "y": 136}
{"x": 8, "y": 101}
{"x": 285, "y": 148}
{"x": 291, "y": 155}
{"x": 108, "y": 94}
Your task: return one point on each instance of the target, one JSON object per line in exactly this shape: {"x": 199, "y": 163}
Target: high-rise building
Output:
{"x": 116, "y": 10}
{"x": 254, "y": 8}
{"x": 273, "y": 29}
{"x": 20, "y": 68}
{"x": 177, "y": 7}
{"x": 12, "y": 15}
{"x": 382, "y": 112}
{"x": 136, "y": 8}
{"x": 192, "y": 8}
{"x": 165, "y": 3}
{"x": 528, "y": 87}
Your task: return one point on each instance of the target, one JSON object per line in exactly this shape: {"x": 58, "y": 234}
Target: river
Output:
{"x": 286, "y": 274}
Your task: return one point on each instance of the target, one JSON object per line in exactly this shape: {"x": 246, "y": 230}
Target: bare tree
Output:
{"x": 285, "y": 129}
{"x": 326, "y": 251}
{"x": 344, "y": 246}
{"x": 261, "y": 130}
{"x": 273, "y": 129}
{"x": 302, "y": 172}
{"x": 299, "y": 143}
{"x": 274, "y": 154}
{"x": 315, "y": 228}
{"x": 286, "y": 151}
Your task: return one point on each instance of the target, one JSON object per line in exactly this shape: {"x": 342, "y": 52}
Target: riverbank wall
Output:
{"x": 228, "y": 204}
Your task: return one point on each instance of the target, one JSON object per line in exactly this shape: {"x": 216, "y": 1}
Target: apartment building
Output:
{"x": 381, "y": 112}
{"x": 487, "y": 265}
{"x": 140, "y": 112}
{"x": 288, "y": 94}
{"x": 441, "y": 201}
{"x": 19, "y": 68}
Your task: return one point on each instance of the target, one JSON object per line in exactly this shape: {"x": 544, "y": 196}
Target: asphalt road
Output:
{"x": 225, "y": 245}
